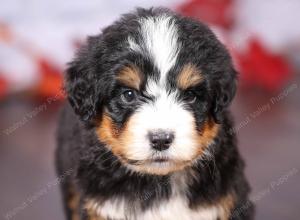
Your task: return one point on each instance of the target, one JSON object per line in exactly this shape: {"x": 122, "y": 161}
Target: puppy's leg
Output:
{"x": 243, "y": 211}
{"x": 88, "y": 213}
{"x": 71, "y": 200}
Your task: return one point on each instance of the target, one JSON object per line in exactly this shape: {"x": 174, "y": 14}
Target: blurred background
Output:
{"x": 38, "y": 38}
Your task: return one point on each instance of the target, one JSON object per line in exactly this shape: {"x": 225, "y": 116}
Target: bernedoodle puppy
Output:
{"x": 146, "y": 135}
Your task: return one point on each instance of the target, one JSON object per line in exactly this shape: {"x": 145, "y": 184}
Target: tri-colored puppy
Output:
{"x": 147, "y": 135}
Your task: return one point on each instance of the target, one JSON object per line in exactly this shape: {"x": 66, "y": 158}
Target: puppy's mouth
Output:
{"x": 158, "y": 164}
{"x": 160, "y": 160}
{"x": 153, "y": 160}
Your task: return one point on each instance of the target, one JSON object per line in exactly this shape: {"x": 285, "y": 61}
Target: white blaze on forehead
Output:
{"x": 159, "y": 41}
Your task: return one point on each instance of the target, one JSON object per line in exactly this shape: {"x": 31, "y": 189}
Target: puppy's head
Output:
{"x": 155, "y": 85}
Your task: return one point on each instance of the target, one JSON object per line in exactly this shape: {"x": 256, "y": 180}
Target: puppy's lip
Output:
{"x": 160, "y": 160}
{"x": 156, "y": 160}
{"x": 147, "y": 161}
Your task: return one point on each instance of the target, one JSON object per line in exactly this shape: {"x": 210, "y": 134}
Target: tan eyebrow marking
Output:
{"x": 188, "y": 77}
{"x": 131, "y": 77}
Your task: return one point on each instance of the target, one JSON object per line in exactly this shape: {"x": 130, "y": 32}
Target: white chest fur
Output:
{"x": 175, "y": 208}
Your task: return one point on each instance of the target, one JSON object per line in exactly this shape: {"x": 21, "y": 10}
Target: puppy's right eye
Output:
{"x": 190, "y": 97}
{"x": 128, "y": 96}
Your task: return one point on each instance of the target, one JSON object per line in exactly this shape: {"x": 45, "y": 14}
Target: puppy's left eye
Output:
{"x": 190, "y": 96}
{"x": 128, "y": 96}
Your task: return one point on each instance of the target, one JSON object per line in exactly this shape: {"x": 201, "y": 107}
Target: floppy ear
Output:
{"x": 225, "y": 90}
{"x": 81, "y": 94}
{"x": 81, "y": 83}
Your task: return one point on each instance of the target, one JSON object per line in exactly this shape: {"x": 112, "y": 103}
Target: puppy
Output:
{"x": 147, "y": 135}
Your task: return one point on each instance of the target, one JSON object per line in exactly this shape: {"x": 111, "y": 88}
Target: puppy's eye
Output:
{"x": 128, "y": 96}
{"x": 190, "y": 96}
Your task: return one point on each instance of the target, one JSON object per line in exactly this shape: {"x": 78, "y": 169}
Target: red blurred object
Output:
{"x": 51, "y": 81}
{"x": 216, "y": 12}
{"x": 5, "y": 33}
{"x": 260, "y": 67}
{"x": 3, "y": 87}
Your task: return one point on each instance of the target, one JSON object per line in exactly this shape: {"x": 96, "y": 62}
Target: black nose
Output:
{"x": 161, "y": 140}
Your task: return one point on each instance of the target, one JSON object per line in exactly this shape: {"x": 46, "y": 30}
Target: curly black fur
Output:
{"x": 90, "y": 85}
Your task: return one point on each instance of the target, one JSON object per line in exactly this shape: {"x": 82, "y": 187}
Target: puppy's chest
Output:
{"x": 175, "y": 208}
